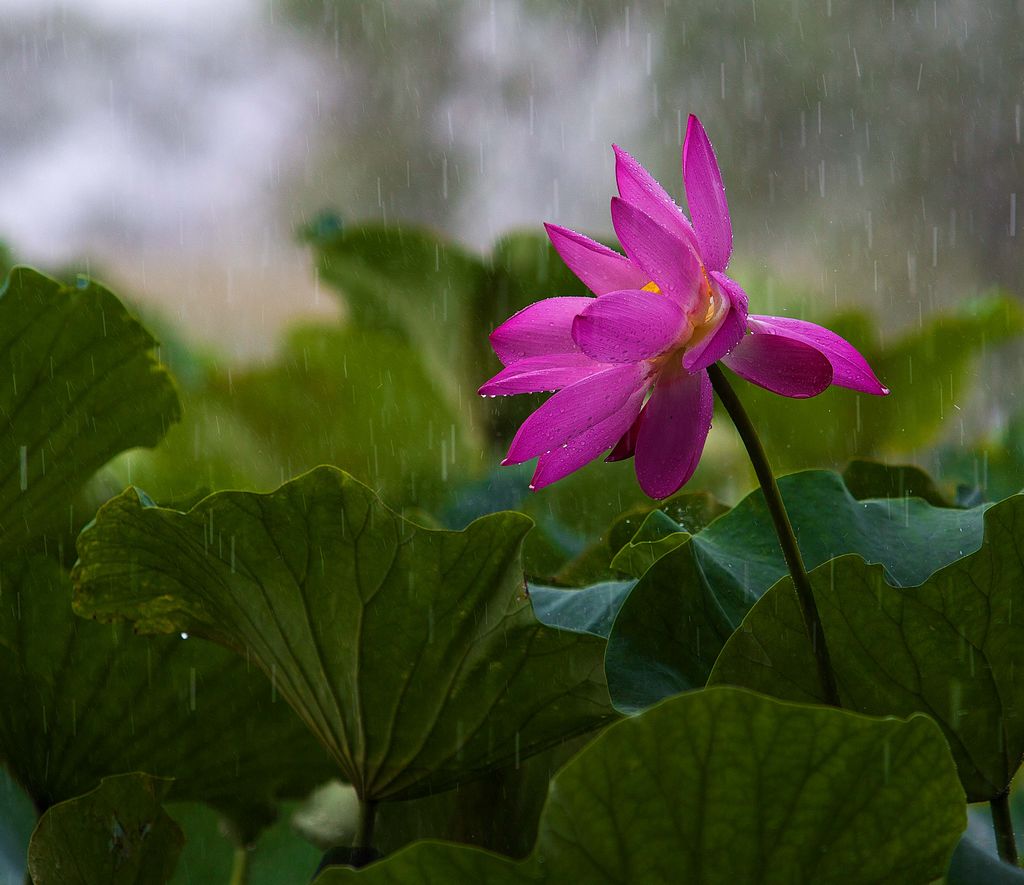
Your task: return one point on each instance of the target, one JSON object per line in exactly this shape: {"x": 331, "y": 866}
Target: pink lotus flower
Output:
{"x": 630, "y": 365}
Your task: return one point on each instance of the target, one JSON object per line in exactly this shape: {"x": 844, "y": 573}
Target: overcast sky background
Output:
{"x": 871, "y": 151}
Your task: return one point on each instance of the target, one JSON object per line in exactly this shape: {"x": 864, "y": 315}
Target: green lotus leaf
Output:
{"x": 725, "y": 786}
{"x": 672, "y": 626}
{"x": 657, "y": 535}
{"x": 584, "y": 610}
{"x": 412, "y": 654}
{"x": 949, "y": 648}
{"x": 686, "y": 512}
{"x": 80, "y": 701}
{"x": 118, "y": 834}
{"x": 81, "y": 383}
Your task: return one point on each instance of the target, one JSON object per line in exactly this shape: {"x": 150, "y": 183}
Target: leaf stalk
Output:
{"x": 362, "y": 848}
{"x": 1002, "y": 823}
{"x": 240, "y": 866}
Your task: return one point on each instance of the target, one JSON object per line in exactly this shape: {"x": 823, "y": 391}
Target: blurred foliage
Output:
{"x": 388, "y": 394}
{"x": 928, "y": 371}
{"x": 357, "y": 397}
{"x": 860, "y": 139}
{"x": 873, "y": 479}
{"x": 994, "y": 468}
{"x": 208, "y": 854}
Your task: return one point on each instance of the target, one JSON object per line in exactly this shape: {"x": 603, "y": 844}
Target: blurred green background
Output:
{"x": 323, "y": 207}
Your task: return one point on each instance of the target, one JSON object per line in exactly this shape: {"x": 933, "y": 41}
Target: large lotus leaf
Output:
{"x": 927, "y": 369}
{"x": 80, "y": 384}
{"x": 412, "y": 654}
{"x": 672, "y": 626}
{"x": 724, "y": 786}
{"x": 949, "y": 648}
{"x": 118, "y": 834}
{"x": 81, "y": 700}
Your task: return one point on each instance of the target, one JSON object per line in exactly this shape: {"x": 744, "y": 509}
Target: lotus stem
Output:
{"x": 1002, "y": 823}
{"x": 362, "y": 848}
{"x": 240, "y": 866}
{"x": 783, "y": 528}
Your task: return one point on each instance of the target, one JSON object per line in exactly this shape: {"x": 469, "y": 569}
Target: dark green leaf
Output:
{"x": 723, "y": 786}
{"x": 671, "y": 628}
{"x": 657, "y": 535}
{"x": 412, "y": 654}
{"x": 873, "y": 479}
{"x": 117, "y": 834}
{"x": 80, "y": 701}
{"x": 80, "y": 385}
{"x": 948, "y": 648}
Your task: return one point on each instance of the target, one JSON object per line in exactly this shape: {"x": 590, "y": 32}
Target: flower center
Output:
{"x": 701, "y": 322}
{"x": 712, "y": 306}
{"x": 714, "y": 312}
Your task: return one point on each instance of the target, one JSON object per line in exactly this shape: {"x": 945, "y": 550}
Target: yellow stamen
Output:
{"x": 710, "y": 296}
{"x": 651, "y": 287}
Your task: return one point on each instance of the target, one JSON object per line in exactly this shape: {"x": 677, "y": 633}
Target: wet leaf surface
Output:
{"x": 80, "y": 701}
{"x": 949, "y": 648}
{"x": 672, "y": 626}
{"x": 724, "y": 786}
{"x": 412, "y": 654}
